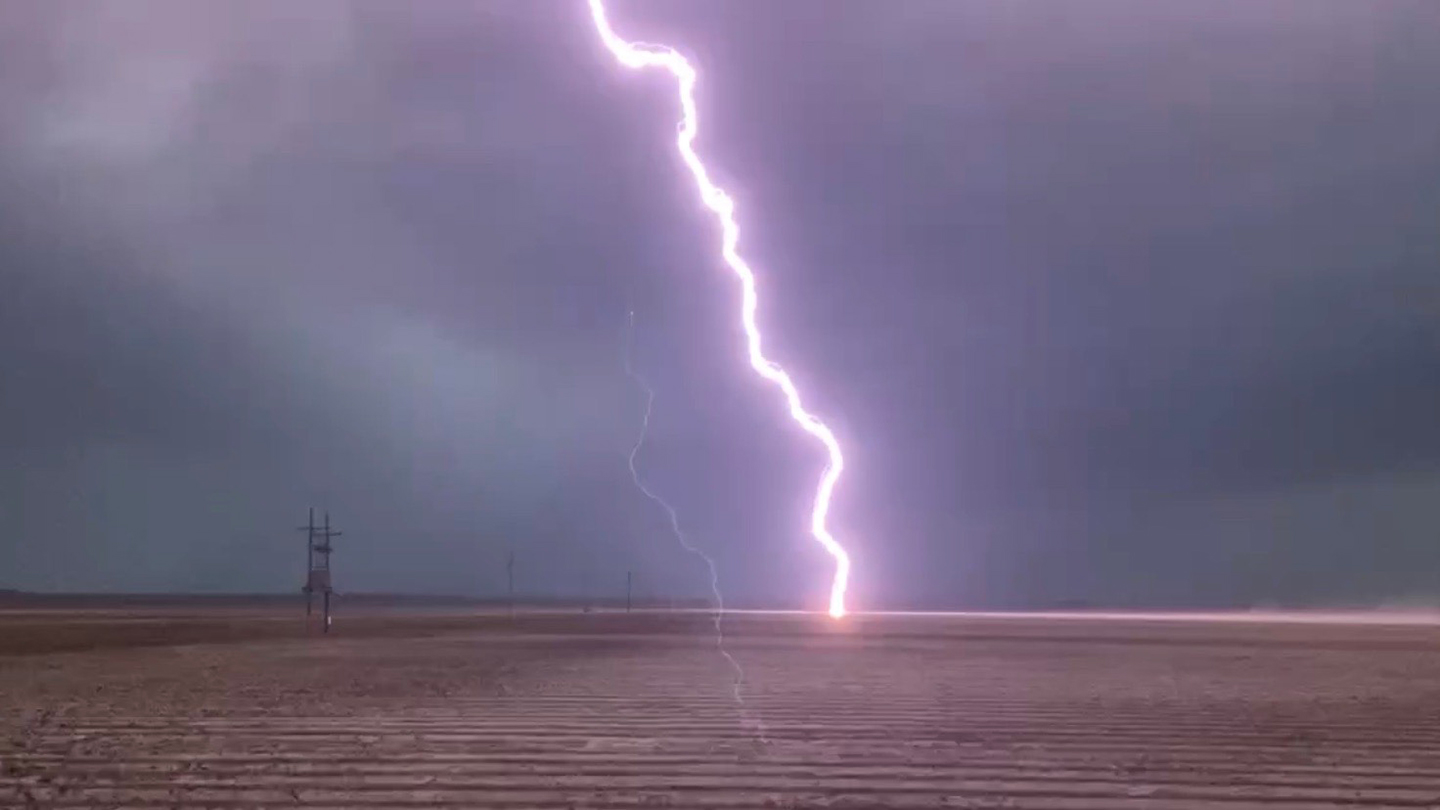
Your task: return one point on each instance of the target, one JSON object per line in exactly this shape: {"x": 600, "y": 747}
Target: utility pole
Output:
{"x": 324, "y": 550}
{"x": 510, "y": 577}
{"x": 309, "y": 529}
{"x": 317, "y": 559}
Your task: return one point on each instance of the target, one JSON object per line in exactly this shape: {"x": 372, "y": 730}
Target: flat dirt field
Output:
{"x": 239, "y": 708}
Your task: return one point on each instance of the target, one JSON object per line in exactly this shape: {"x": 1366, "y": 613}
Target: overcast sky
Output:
{"x": 1122, "y": 301}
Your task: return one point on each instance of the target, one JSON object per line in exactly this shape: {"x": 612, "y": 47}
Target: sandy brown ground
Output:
{"x": 563, "y": 710}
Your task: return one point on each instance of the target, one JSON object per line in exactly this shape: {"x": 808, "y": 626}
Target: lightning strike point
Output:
{"x": 639, "y": 56}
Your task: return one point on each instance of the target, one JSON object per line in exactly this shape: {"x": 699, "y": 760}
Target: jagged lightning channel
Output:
{"x": 719, "y": 601}
{"x": 641, "y": 55}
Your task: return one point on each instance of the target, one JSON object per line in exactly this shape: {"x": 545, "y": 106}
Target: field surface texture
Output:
{"x": 228, "y": 707}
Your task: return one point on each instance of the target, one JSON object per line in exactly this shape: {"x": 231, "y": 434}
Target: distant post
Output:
{"x": 629, "y": 580}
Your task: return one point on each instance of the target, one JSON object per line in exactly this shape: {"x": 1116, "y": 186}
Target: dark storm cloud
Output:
{"x": 1116, "y": 301}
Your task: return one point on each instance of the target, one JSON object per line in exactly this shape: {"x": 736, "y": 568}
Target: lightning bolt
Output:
{"x": 638, "y": 56}
{"x": 719, "y": 612}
